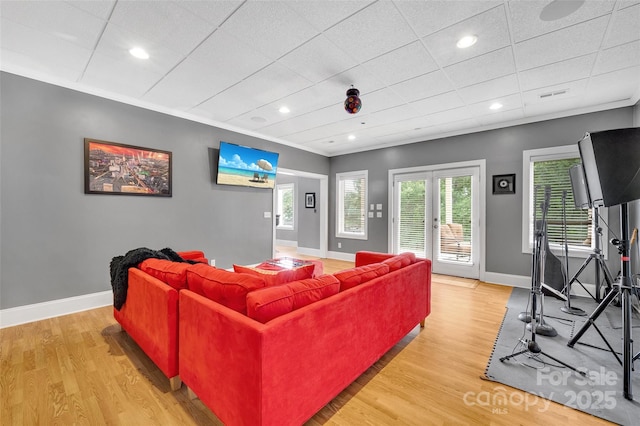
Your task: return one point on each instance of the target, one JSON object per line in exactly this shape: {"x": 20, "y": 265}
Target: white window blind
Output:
{"x": 550, "y": 167}
{"x": 411, "y": 217}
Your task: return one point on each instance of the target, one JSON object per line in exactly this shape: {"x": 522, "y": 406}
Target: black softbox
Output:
{"x": 611, "y": 164}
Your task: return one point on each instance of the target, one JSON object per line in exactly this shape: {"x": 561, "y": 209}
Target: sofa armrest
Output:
{"x": 191, "y": 255}
{"x": 150, "y": 317}
{"x": 368, "y": 257}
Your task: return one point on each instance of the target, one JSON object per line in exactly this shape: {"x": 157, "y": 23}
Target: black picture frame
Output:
{"x": 117, "y": 169}
{"x": 310, "y": 200}
{"x": 504, "y": 184}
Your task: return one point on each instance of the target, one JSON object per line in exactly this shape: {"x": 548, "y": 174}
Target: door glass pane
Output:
{"x": 411, "y": 217}
{"x": 455, "y": 219}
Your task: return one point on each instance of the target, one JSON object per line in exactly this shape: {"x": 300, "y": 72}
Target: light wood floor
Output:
{"x": 81, "y": 369}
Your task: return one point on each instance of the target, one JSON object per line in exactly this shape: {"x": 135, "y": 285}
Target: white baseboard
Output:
{"x": 309, "y": 251}
{"x": 54, "y": 308}
{"x": 287, "y": 243}
{"x": 338, "y": 255}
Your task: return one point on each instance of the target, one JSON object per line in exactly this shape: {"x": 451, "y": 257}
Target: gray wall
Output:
{"x": 307, "y": 221}
{"x": 57, "y": 242}
{"x": 502, "y": 149}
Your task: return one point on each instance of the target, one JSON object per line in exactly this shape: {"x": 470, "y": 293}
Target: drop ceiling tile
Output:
{"x": 58, "y": 19}
{"x": 269, "y": 27}
{"x": 311, "y": 120}
{"x": 322, "y": 17}
{"x": 380, "y": 99}
{"x": 508, "y": 103}
{"x": 458, "y": 127}
{"x": 614, "y": 86}
{"x": 555, "y": 107}
{"x": 556, "y": 73}
{"x": 526, "y": 22}
{"x": 225, "y": 106}
{"x": 105, "y": 72}
{"x": 43, "y": 51}
{"x": 428, "y": 17}
{"x": 384, "y": 27}
{"x": 624, "y": 26}
{"x": 214, "y": 12}
{"x": 402, "y": 64}
{"x": 459, "y": 115}
{"x": 387, "y": 116}
{"x": 482, "y": 68}
{"x": 490, "y": 27}
{"x": 502, "y": 117}
{"x": 116, "y": 42}
{"x": 578, "y": 40}
{"x": 164, "y": 23}
{"x": 99, "y": 9}
{"x": 443, "y": 102}
{"x": 187, "y": 85}
{"x": 271, "y": 83}
{"x": 318, "y": 60}
{"x": 618, "y": 57}
{"x": 360, "y": 77}
{"x": 227, "y": 57}
{"x": 424, "y": 86}
{"x": 489, "y": 90}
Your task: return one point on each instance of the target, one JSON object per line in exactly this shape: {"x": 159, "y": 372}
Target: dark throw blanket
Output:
{"x": 119, "y": 269}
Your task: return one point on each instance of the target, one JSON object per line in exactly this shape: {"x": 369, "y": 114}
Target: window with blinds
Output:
{"x": 555, "y": 173}
{"x": 550, "y": 167}
{"x": 351, "y": 205}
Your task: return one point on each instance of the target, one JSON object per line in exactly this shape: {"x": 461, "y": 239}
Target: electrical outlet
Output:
{"x": 212, "y": 262}
{"x": 339, "y": 245}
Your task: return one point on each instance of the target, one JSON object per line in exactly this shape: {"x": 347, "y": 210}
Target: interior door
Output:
{"x": 435, "y": 215}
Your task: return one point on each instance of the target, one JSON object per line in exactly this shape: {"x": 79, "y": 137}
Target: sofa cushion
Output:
{"x": 268, "y": 303}
{"x": 361, "y": 274}
{"x": 277, "y": 276}
{"x": 225, "y": 287}
{"x": 171, "y": 273}
{"x": 400, "y": 261}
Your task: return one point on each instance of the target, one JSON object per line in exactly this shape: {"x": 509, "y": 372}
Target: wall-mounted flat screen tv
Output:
{"x": 245, "y": 166}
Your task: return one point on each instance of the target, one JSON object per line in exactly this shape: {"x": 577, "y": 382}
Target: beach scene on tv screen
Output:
{"x": 241, "y": 165}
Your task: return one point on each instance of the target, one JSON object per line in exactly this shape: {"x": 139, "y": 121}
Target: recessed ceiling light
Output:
{"x": 284, "y": 110}
{"x": 352, "y": 137}
{"x": 467, "y": 41}
{"x": 496, "y": 105}
{"x": 139, "y": 53}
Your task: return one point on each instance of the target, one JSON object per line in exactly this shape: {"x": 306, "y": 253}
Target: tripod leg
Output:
{"x": 601, "y": 307}
{"x": 583, "y": 373}
{"x": 505, "y": 358}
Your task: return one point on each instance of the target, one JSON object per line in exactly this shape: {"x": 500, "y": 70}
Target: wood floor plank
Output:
{"x": 82, "y": 369}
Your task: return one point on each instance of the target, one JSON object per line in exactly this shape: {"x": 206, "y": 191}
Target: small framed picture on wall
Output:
{"x": 310, "y": 200}
{"x": 504, "y": 184}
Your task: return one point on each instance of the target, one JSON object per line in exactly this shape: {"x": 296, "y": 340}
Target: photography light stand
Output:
{"x": 532, "y": 347}
{"x": 596, "y": 255}
{"x": 622, "y": 288}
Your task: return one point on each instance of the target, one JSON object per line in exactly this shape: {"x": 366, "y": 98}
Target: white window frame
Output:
{"x": 340, "y": 233}
{"x": 285, "y": 187}
{"x": 545, "y": 154}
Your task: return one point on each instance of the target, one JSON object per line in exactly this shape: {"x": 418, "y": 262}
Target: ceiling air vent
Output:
{"x": 555, "y": 93}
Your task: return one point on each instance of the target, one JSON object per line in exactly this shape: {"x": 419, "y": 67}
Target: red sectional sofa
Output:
{"x": 259, "y": 351}
{"x": 281, "y": 371}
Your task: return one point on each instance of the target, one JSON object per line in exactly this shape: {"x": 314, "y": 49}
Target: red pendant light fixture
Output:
{"x": 353, "y": 103}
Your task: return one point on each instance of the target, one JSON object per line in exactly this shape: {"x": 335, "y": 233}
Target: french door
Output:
{"x": 435, "y": 215}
